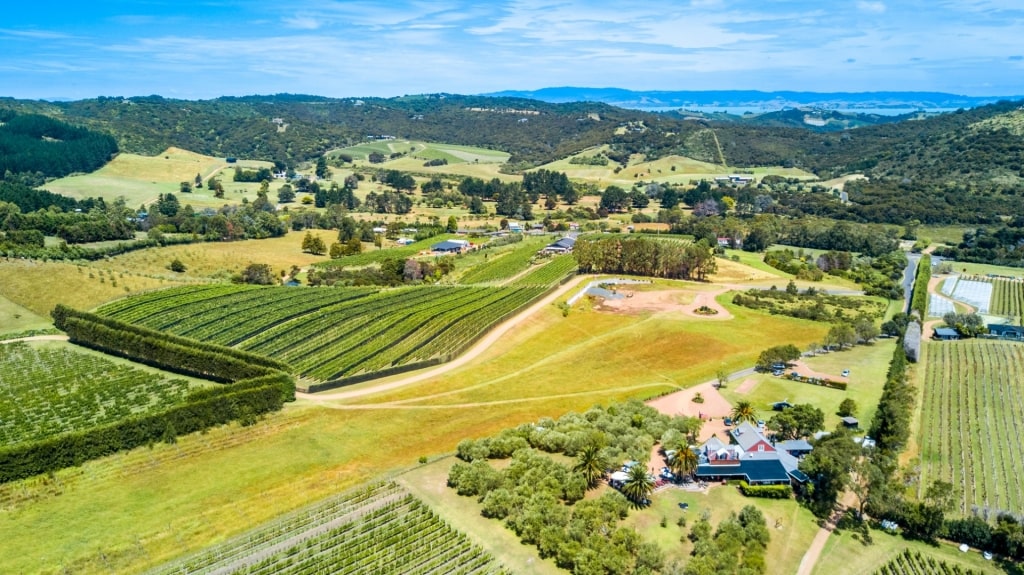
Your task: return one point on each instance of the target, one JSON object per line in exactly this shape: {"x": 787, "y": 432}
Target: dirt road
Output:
{"x": 474, "y": 352}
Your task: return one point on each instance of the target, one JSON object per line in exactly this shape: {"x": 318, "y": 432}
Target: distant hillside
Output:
{"x": 766, "y": 101}
{"x": 980, "y": 149}
{"x": 293, "y": 128}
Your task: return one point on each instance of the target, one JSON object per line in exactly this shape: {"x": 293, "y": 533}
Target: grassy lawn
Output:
{"x": 867, "y": 365}
{"x": 791, "y": 526}
{"x": 17, "y": 318}
{"x": 844, "y": 555}
{"x": 984, "y": 269}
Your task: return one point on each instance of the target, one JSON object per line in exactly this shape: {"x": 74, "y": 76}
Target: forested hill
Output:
{"x": 32, "y": 143}
{"x": 982, "y": 147}
{"x": 291, "y": 128}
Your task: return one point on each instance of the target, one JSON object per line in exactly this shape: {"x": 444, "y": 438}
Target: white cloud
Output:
{"x": 302, "y": 22}
{"x": 872, "y": 7}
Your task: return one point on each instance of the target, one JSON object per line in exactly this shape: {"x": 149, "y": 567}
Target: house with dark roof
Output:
{"x": 751, "y": 458}
{"x": 946, "y": 334}
{"x": 562, "y": 246}
{"x": 1013, "y": 332}
{"x": 450, "y": 247}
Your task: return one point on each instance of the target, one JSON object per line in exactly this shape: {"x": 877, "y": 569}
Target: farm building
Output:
{"x": 850, "y": 422}
{"x": 562, "y": 246}
{"x": 1000, "y": 331}
{"x": 451, "y": 246}
{"x": 946, "y": 334}
{"x": 751, "y": 458}
{"x": 795, "y": 447}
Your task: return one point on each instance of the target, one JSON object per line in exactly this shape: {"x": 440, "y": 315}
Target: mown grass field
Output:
{"x": 971, "y": 416}
{"x": 670, "y": 169}
{"x": 867, "y": 365}
{"x": 15, "y": 318}
{"x": 140, "y": 179}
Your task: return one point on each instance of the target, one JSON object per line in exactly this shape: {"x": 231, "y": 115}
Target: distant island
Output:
{"x": 755, "y": 99}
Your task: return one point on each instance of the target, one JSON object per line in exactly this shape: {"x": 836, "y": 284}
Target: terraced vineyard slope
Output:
{"x": 972, "y": 420}
{"x": 330, "y": 334}
{"x": 377, "y": 529}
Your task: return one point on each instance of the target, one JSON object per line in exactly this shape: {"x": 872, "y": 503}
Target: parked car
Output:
{"x": 846, "y": 373}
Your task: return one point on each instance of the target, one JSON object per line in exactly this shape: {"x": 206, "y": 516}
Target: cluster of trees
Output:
{"x": 798, "y": 264}
{"x": 542, "y": 501}
{"x": 550, "y": 184}
{"x": 965, "y": 324}
{"x": 250, "y": 220}
{"x": 255, "y": 176}
{"x": 388, "y": 202}
{"x": 737, "y": 547}
{"x": 390, "y": 272}
{"x": 777, "y": 354}
{"x": 645, "y": 257}
{"x": 101, "y": 222}
{"x": 32, "y": 143}
{"x": 1003, "y": 245}
{"x": 796, "y": 422}
{"x": 814, "y": 305}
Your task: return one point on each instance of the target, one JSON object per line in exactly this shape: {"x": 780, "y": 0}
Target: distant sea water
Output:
{"x": 740, "y": 110}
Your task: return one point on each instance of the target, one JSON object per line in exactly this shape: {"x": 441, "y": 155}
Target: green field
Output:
{"x": 328, "y": 333}
{"x": 867, "y": 365}
{"x": 503, "y": 263}
{"x": 972, "y": 412}
{"x": 140, "y": 179}
{"x": 51, "y": 389}
{"x": 670, "y": 169}
{"x": 421, "y": 152}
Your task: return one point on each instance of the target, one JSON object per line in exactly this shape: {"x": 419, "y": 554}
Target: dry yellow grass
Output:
{"x": 40, "y": 286}
{"x": 220, "y": 259}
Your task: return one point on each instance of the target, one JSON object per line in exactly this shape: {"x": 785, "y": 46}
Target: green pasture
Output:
{"x": 867, "y": 365}
{"x": 15, "y": 318}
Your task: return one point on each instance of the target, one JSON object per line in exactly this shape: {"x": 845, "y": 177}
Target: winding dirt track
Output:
{"x": 474, "y": 352}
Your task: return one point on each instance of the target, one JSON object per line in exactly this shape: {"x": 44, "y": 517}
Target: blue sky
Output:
{"x": 205, "y": 49}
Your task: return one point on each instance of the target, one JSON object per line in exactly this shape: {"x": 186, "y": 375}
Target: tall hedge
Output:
{"x": 919, "y": 299}
{"x": 255, "y": 385}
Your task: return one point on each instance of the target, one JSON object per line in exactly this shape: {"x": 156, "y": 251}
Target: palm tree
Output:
{"x": 684, "y": 462}
{"x": 638, "y": 486}
{"x": 744, "y": 411}
{"x": 590, "y": 463}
